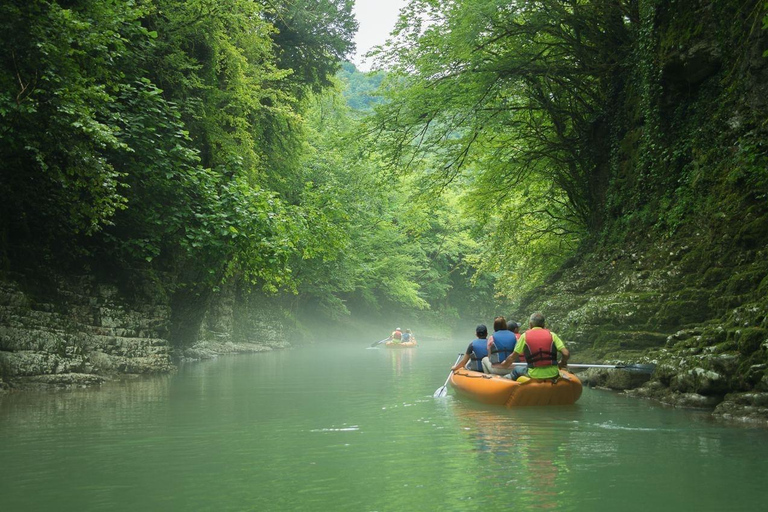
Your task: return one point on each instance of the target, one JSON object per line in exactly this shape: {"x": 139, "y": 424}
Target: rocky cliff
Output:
{"x": 79, "y": 331}
{"x": 678, "y": 274}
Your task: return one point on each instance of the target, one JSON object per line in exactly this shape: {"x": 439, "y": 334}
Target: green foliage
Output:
{"x": 508, "y": 101}
{"x": 765, "y": 24}
{"x": 372, "y": 246}
{"x": 360, "y": 89}
{"x": 159, "y": 133}
{"x": 312, "y": 55}
{"x": 60, "y": 82}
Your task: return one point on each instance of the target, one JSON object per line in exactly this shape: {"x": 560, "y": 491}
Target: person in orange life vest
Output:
{"x": 540, "y": 347}
{"x": 396, "y": 336}
{"x": 476, "y": 351}
{"x": 500, "y": 346}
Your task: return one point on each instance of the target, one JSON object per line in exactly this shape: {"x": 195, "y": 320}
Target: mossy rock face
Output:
{"x": 615, "y": 311}
{"x": 618, "y": 339}
{"x": 614, "y": 379}
{"x": 749, "y": 314}
{"x": 715, "y": 277}
{"x": 698, "y": 370}
{"x": 744, "y": 282}
{"x": 750, "y": 339}
{"x": 678, "y": 313}
{"x": 753, "y": 234}
{"x": 751, "y": 407}
{"x": 698, "y": 260}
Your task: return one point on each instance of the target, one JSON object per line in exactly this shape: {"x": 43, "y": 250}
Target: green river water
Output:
{"x": 342, "y": 427}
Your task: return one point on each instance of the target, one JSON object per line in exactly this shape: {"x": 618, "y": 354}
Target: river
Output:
{"x": 343, "y": 427}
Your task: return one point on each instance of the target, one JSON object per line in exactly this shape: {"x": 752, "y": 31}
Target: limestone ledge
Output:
{"x": 212, "y": 348}
{"x": 83, "y": 333}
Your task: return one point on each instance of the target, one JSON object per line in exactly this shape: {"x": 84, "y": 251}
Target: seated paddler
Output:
{"x": 540, "y": 347}
{"x": 476, "y": 351}
{"x": 500, "y": 347}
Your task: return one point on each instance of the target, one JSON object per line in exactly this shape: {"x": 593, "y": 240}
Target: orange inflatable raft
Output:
{"x": 405, "y": 344}
{"x": 497, "y": 390}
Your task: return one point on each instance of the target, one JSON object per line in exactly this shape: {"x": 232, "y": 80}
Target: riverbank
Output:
{"x": 68, "y": 333}
{"x": 694, "y": 305}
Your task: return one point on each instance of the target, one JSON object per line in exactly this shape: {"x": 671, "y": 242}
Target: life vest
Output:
{"x": 406, "y": 337}
{"x": 504, "y": 343}
{"x": 540, "y": 348}
{"x": 479, "y": 351}
{"x": 398, "y": 335}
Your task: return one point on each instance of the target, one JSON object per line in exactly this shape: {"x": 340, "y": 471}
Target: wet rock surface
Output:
{"x": 699, "y": 312}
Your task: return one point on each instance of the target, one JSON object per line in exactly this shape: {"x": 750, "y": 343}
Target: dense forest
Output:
{"x": 204, "y": 142}
{"x": 604, "y": 161}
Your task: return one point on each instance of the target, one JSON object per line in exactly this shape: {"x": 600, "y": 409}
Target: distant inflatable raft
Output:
{"x": 496, "y": 390}
{"x": 406, "y": 344}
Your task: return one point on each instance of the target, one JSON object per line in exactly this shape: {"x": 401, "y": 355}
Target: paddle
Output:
{"x": 380, "y": 341}
{"x": 443, "y": 390}
{"x": 640, "y": 368}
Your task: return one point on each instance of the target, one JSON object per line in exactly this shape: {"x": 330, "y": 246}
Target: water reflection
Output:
{"x": 527, "y": 451}
{"x": 107, "y": 407}
{"x": 401, "y": 360}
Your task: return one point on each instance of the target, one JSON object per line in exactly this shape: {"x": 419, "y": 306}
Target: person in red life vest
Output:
{"x": 515, "y": 328}
{"x": 476, "y": 351}
{"x": 540, "y": 347}
{"x": 500, "y": 346}
{"x": 396, "y": 336}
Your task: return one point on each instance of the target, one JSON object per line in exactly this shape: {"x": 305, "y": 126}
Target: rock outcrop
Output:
{"x": 81, "y": 332}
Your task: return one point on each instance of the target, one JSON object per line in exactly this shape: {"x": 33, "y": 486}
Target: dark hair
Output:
{"x": 499, "y": 323}
{"x": 481, "y": 331}
{"x": 512, "y": 325}
{"x": 537, "y": 320}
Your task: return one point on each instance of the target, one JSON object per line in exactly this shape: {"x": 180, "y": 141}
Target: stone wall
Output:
{"x": 238, "y": 321}
{"x": 79, "y": 331}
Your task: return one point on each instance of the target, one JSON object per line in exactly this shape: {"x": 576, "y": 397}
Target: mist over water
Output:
{"x": 344, "y": 427}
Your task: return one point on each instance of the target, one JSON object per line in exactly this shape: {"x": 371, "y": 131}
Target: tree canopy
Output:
{"x": 208, "y": 141}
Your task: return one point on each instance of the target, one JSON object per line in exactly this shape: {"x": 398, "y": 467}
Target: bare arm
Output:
{"x": 460, "y": 364}
{"x": 509, "y": 360}
{"x": 564, "y": 359}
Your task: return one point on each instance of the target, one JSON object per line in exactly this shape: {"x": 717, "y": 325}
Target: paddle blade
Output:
{"x": 441, "y": 392}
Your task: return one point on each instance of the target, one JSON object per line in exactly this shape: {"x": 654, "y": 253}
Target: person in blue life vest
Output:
{"x": 408, "y": 336}
{"x": 476, "y": 351}
{"x": 500, "y": 346}
{"x": 540, "y": 347}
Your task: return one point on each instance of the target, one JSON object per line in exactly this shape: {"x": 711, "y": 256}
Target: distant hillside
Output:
{"x": 360, "y": 92}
